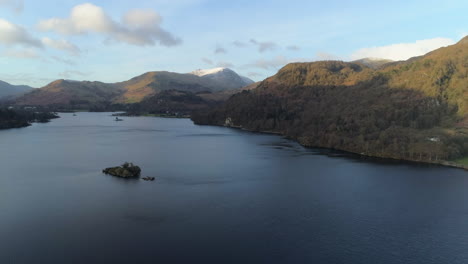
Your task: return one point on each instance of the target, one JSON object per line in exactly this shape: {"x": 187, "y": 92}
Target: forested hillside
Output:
{"x": 414, "y": 110}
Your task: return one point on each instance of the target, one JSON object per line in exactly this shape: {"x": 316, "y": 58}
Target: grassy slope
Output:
{"x": 462, "y": 161}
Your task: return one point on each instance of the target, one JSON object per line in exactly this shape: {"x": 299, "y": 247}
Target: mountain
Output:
{"x": 8, "y": 91}
{"x": 173, "y": 103}
{"x": 86, "y": 94}
{"x": 224, "y": 77}
{"x": 151, "y": 83}
{"x": 412, "y": 110}
{"x": 74, "y": 94}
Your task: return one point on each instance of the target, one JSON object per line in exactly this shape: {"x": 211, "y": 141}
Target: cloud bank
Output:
{"x": 402, "y": 51}
{"x": 11, "y": 35}
{"x": 61, "y": 45}
{"x": 141, "y": 27}
{"x": 16, "y": 5}
{"x": 20, "y": 53}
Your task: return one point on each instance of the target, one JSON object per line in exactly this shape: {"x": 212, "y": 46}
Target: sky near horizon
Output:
{"x": 111, "y": 41}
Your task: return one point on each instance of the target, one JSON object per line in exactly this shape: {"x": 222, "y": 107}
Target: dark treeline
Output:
{"x": 21, "y": 118}
{"x": 171, "y": 103}
{"x": 168, "y": 102}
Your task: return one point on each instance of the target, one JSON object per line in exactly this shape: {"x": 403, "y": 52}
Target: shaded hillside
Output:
{"x": 172, "y": 103}
{"x": 396, "y": 112}
{"x": 182, "y": 103}
{"x": 72, "y": 94}
{"x": 10, "y": 91}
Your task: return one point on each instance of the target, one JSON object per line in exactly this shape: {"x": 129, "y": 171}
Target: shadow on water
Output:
{"x": 204, "y": 135}
{"x": 133, "y": 180}
{"x": 298, "y": 150}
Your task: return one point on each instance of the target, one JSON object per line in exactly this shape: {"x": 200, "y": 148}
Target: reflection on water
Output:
{"x": 220, "y": 196}
{"x": 204, "y": 135}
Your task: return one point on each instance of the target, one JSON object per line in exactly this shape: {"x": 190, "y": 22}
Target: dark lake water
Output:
{"x": 220, "y": 196}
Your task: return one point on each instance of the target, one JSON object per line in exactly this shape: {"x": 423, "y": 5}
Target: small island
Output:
{"x": 127, "y": 170}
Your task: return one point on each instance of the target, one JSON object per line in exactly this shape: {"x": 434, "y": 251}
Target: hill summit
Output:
{"x": 224, "y": 77}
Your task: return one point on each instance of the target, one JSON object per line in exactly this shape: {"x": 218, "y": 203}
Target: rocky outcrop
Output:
{"x": 127, "y": 170}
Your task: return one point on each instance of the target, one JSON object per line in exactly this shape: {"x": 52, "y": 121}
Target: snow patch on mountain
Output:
{"x": 201, "y": 72}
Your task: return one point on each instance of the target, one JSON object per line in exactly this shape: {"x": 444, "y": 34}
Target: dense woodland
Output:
{"x": 172, "y": 103}
{"x": 22, "y": 118}
{"x": 395, "y": 111}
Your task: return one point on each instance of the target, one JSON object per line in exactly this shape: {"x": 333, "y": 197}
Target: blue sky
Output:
{"x": 110, "y": 41}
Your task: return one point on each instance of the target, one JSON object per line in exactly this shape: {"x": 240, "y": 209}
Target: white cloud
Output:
{"x": 207, "y": 61}
{"x": 402, "y": 51}
{"x": 264, "y": 46}
{"x": 321, "y": 56}
{"x": 11, "y": 35}
{"x": 275, "y": 63}
{"x": 71, "y": 73}
{"x": 62, "y": 60}
{"x": 220, "y": 50}
{"x": 254, "y": 74}
{"x": 61, "y": 45}
{"x": 138, "y": 27}
{"x": 239, "y": 44}
{"x": 16, "y": 5}
{"x": 24, "y": 78}
{"x": 224, "y": 64}
{"x": 21, "y": 53}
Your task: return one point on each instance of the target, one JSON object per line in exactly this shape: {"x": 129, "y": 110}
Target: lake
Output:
{"x": 220, "y": 196}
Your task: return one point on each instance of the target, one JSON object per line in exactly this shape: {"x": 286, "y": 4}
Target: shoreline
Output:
{"x": 444, "y": 163}
{"x": 151, "y": 115}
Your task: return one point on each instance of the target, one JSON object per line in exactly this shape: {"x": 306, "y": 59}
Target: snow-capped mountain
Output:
{"x": 224, "y": 76}
{"x": 204, "y": 72}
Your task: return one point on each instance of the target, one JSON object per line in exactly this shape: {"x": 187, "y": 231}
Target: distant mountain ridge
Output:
{"x": 9, "y": 91}
{"x": 72, "y": 93}
{"x": 135, "y": 90}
